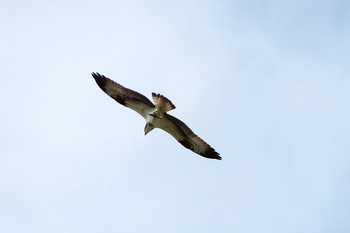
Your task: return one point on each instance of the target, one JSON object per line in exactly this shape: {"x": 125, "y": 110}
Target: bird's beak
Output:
{"x": 148, "y": 128}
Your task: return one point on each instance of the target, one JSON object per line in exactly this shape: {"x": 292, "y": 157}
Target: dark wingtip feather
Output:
{"x": 211, "y": 154}
{"x": 96, "y": 75}
{"x": 100, "y": 80}
{"x": 218, "y": 157}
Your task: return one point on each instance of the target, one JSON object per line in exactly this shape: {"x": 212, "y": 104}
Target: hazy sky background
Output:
{"x": 266, "y": 83}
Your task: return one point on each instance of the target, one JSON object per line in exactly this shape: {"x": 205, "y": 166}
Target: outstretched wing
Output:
{"x": 124, "y": 96}
{"x": 187, "y": 138}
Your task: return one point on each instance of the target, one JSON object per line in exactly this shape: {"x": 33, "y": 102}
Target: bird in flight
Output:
{"x": 156, "y": 115}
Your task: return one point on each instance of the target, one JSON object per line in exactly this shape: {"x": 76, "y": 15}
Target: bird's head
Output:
{"x": 148, "y": 128}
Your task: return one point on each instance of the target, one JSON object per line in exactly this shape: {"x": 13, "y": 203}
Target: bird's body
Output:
{"x": 156, "y": 115}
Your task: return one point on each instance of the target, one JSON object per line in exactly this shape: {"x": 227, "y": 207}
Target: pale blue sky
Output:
{"x": 266, "y": 83}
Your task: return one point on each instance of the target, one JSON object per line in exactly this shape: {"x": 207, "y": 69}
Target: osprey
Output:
{"x": 156, "y": 115}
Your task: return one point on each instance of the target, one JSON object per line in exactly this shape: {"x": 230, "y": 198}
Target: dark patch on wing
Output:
{"x": 186, "y": 144}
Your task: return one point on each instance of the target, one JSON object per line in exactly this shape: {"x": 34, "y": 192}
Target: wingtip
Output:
{"x": 217, "y": 156}
{"x": 212, "y": 154}
{"x": 100, "y": 80}
{"x": 96, "y": 75}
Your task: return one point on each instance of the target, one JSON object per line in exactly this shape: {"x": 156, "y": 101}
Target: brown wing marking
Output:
{"x": 190, "y": 140}
{"x": 122, "y": 95}
{"x": 162, "y": 102}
